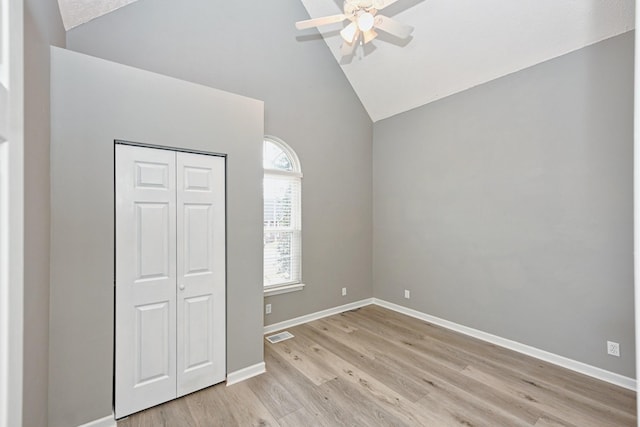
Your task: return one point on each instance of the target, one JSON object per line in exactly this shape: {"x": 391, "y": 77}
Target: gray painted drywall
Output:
{"x": 94, "y": 102}
{"x": 254, "y": 50}
{"x": 42, "y": 27}
{"x": 508, "y": 207}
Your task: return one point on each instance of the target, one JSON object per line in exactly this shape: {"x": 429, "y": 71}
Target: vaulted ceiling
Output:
{"x": 456, "y": 44}
{"x": 78, "y": 12}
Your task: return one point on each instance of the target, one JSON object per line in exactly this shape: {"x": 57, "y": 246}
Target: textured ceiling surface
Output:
{"x": 76, "y": 12}
{"x": 458, "y": 44}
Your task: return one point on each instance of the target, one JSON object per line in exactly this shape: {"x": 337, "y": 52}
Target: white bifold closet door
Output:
{"x": 170, "y": 275}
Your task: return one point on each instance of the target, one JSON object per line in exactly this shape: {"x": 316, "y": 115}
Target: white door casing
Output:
{"x": 200, "y": 271}
{"x": 170, "y": 275}
{"x": 12, "y": 212}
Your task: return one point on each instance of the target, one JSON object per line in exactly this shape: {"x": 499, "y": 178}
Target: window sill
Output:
{"x": 277, "y": 290}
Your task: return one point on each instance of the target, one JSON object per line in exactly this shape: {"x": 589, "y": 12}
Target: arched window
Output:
{"x": 282, "y": 216}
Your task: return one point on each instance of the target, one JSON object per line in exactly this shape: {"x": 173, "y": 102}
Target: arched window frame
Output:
{"x": 274, "y": 285}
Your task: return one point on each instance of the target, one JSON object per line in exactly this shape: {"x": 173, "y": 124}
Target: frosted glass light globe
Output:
{"x": 365, "y": 21}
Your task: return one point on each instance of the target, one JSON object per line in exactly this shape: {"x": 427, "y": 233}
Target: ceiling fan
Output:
{"x": 365, "y": 19}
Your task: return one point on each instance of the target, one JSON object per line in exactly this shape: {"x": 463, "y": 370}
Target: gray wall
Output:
{"x": 252, "y": 49}
{"x": 94, "y": 102}
{"x": 508, "y": 207}
{"x": 42, "y": 27}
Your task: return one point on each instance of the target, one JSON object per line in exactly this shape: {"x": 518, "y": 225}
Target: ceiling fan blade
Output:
{"x": 381, "y": 4}
{"x": 317, "y": 22}
{"x": 392, "y": 26}
{"x": 367, "y": 36}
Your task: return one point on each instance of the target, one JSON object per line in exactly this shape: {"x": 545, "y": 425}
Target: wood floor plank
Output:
{"x": 445, "y": 375}
{"x": 162, "y": 416}
{"x": 343, "y": 346}
{"x": 246, "y": 408}
{"x": 424, "y": 344}
{"x": 411, "y": 341}
{"x": 475, "y": 412}
{"x": 416, "y": 329}
{"x": 547, "y": 420}
{"x": 301, "y": 417}
{"x": 472, "y": 351}
{"x": 307, "y": 363}
{"x": 375, "y": 367}
{"x": 327, "y": 412}
{"x": 570, "y": 411}
{"x": 209, "y": 407}
{"x": 338, "y": 322}
{"x": 277, "y": 398}
{"x": 370, "y": 412}
{"x": 506, "y": 359}
{"x": 381, "y": 394}
{"x": 329, "y": 328}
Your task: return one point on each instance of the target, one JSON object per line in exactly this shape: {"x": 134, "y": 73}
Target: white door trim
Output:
{"x": 636, "y": 203}
{"x": 108, "y": 421}
{"x": 12, "y": 221}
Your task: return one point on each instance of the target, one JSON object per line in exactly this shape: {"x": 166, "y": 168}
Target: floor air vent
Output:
{"x": 279, "y": 337}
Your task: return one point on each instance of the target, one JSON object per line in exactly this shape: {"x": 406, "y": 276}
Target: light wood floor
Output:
{"x": 375, "y": 367}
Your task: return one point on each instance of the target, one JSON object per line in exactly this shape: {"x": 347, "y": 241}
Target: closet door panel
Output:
{"x": 200, "y": 271}
{"x": 145, "y": 364}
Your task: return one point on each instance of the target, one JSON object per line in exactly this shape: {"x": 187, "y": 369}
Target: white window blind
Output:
{"x": 282, "y": 215}
{"x": 282, "y": 230}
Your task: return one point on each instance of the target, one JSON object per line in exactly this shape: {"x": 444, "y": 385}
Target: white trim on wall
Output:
{"x": 317, "y": 315}
{"x": 12, "y": 221}
{"x": 636, "y": 200}
{"x": 5, "y": 28}
{"x": 573, "y": 365}
{"x": 4, "y": 284}
{"x": 108, "y": 421}
{"x": 245, "y": 373}
{"x": 283, "y": 289}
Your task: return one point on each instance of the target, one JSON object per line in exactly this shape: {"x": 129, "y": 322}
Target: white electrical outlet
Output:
{"x": 267, "y": 309}
{"x": 613, "y": 348}
{"x": 344, "y": 291}
{"x": 407, "y": 293}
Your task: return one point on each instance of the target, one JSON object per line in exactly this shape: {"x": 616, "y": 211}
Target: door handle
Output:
{"x": 181, "y": 286}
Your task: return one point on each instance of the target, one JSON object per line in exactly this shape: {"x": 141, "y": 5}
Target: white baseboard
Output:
{"x": 245, "y": 373}
{"x": 574, "y": 365}
{"x": 317, "y": 315}
{"x": 108, "y": 421}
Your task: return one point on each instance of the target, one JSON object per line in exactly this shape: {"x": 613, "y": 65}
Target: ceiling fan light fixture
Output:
{"x": 368, "y": 36}
{"x": 348, "y": 33}
{"x": 365, "y": 21}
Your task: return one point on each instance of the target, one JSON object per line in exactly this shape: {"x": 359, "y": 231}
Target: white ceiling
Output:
{"x": 76, "y": 12}
{"x": 456, "y": 44}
